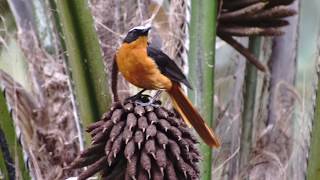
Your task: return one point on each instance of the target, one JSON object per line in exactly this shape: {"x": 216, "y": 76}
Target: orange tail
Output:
{"x": 190, "y": 115}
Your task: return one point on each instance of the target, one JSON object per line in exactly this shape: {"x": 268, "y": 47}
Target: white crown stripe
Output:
{"x": 141, "y": 27}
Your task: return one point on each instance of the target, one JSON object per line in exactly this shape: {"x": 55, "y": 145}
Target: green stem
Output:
{"x": 249, "y": 103}
{"x": 201, "y": 63}
{"x": 84, "y": 59}
{"x": 313, "y": 172}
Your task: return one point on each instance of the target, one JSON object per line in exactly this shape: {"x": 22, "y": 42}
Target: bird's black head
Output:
{"x": 136, "y": 32}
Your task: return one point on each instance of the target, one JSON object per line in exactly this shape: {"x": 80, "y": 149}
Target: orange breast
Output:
{"x": 139, "y": 69}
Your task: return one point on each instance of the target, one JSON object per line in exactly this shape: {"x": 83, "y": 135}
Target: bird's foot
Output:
{"x": 137, "y": 96}
{"x": 145, "y": 100}
{"x": 133, "y": 98}
{"x": 150, "y": 102}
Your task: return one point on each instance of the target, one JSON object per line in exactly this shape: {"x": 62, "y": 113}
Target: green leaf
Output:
{"x": 6, "y": 125}
{"x": 308, "y": 56}
{"x": 84, "y": 59}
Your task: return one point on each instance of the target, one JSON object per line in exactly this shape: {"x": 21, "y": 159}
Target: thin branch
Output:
{"x": 244, "y": 51}
{"x": 118, "y": 35}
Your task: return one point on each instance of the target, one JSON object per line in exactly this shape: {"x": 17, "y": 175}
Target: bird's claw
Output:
{"x": 145, "y": 100}
{"x": 138, "y": 97}
{"x": 152, "y": 102}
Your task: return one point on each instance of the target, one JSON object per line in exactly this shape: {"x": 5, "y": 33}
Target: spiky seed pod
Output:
{"x": 170, "y": 171}
{"x": 186, "y": 132}
{"x": 127, "y": 134}
{"x": 156, "y": 173}
{"x": 150, "y": 147}
{"x": 174, "y": 149}
{"x": 174, "y": 121}
{"x": 116, "y": 115}
{"x": 162, "y": 139}
{"x": 152, "y": 117}
{"x": 98, "y": 137}
{"x": 145, "y": 162}
{"x": 96, "y": 131}
{"x": 175, "y": 132}
{"x": 116, "y": 130}
{"x": 108, "y": 147}
{"x": 143, "y": 175}
{"x": 80, "y": 162}
{"x": 162, "y": 113}
{"x": 139, "y": 138}
{"x": 139, "y": 110}
{"x": 164, "y": 124}
{"x": 136, "y": 142}
{"x": 107, "y": 126}
{"x": 142, "y": 123}
{"x": 149, "y": 108}
{"x": 131, "y": 121}
{"x": 151, "y": 131}
{"x": 128, "y": 107}
{"x": 94, "y": 126}
{"x": 161, "y": 159}
{"x": 96, "y": 148}
{"x": 117, "y": 145}
{"x": 131, "y": 170}
{"x": 93, "y": 168}
{"x": 129, "y": 150}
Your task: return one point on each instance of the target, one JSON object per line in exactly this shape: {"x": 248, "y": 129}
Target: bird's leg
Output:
{"x": 151, "y": 101}
{"x": 136, "y": 96}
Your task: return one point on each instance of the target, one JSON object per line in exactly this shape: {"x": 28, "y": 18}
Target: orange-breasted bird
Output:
{"x": 151, "y": 69}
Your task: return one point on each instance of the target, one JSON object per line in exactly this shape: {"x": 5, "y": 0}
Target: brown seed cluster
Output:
{"x": 136, "y": 142}
{"x": 252, "y": 18}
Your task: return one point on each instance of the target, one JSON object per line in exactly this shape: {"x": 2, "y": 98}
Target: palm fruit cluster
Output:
{"x": 254, "y": 17}
{"x": 140, "y": 142}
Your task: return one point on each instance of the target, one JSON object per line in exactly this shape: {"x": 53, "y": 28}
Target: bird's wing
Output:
{"x": 167, "y": 66}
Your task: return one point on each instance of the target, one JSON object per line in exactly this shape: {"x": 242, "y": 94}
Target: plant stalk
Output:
{"x": 84, "y": 59}
{"x": 201, "y": 64}
{"x": 248, "y": 114}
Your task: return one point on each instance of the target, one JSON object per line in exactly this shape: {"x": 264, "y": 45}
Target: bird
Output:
{"x": 150, "y": 68}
